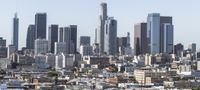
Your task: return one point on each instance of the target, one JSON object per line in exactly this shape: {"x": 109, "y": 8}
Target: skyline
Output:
{"x": 126, "y": 19}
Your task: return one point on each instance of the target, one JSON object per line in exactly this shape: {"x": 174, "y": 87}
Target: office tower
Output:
{"x": 140, "y": 38}
{"x": 60, "y": 34}
{"x": 168, "y": 42}
{"x": 67, "y": 39}
{"x": 41, "y": 46}
{"x": 100, "y": 30}
{"x": 86, "y": 50}
{"x": 40, "y": 25}
{"x": 110, "y": 40}
{"x": 153, "y": 32}
{"x": 73, "y": 43}
{"x": 96, "y": 50}
{"x": 3, "y": 49}
{"x": 192, "y": 47}
{"x": 69, "y": 36}
{"x": 178, "y": 49}
{"x": 11, "y": 50}
{"x": 51, "y": 60}
{"x": 60, "y": 47}
{"x": 84, "y": 40}
{"x": 121, "y": 45}
{"x": 15, "y": 33}
{"x": 128, "y": 40}
{"x": 30, "y": 38}
{"x": 2, "y": 42}
{"x": 52, "y": 37}
{"x": 166, "y": 29}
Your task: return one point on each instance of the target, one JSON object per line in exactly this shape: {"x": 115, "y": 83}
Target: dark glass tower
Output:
{"x": 73, "y": 30}
{"x": 52, "y": 36}
{"x": 40, "y": 25}
{"x": 30, "y": 39}
{"x": 15, "y": 37}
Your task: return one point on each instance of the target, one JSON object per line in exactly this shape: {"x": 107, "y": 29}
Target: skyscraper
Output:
{"x": 73, "y": 43}
{"x": 52, "y": 36}
{"x": 60, "y": 34}
{"x": 159, "y": 29}
{"x": 15, "y": 32}
{"x": 30, "y": 38}
{"x": 168, "y": 38}
{"x": 84, "y": 40}
{"x": 166, "y": 33}
{"x": 40, "y": 25}
{"x": 69, "y": 36}
{"x": 153, "y": 32}
{"x": 41, "y": 46}
{"x": 110, "y": 40}
{"x": 178, "y": 49}
{"x": 3, "y": 49}
{"x": 100, "y": 30}
{"x": 192, "y": 47}
{"x": 140, "y": 38}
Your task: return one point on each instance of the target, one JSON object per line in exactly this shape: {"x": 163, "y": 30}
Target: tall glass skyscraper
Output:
{"x": 40, "y": 25}
{"x": 110, "y": 40}
{"x": 153, "y": 32}
{"x": 100, "y": 30}
{"x": 15, "y": 35}
{"x": 52, "y": 36}
{"x": 30, "y": 39}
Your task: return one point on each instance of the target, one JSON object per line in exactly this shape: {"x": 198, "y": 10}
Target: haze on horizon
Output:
{"x": 85, "y": 14}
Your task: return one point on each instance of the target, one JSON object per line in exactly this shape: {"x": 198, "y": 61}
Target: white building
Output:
{"x": 60, "y": 47}
{"x": 11, "y": 50}
{"x": 64, "y": 61}
{"x": 41, "y": 46}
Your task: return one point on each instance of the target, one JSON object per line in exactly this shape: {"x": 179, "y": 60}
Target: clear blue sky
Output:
{"x": 84, "y": 13}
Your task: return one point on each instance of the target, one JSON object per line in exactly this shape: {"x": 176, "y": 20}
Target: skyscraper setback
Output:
{"x": 15, "y": 33}
{"x": 40, "y": 25}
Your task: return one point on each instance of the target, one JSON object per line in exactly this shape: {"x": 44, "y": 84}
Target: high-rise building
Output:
{"x": 3, "y": 49}
{"x": 110, "y": 39}
{"x": 30, "y": 38}
{"x": 40, "y": 25}
{"x": 121, "y": 45}
{"x": 166, "y": 33}
{"x": 73, "y": 43}
{"x": 192, "y": 47}
{"x": 60, "y": 47}
{"x": 100, "y": 30}
{"x": 11, "y": 50}
{"x": 60, "y": 34}
{"x": 2, "y": 42}
{"x": 15, "y": 33}
{"x": 168, "y": 42}
{"x": 178, "y": 49}
{"x": 52, "y": 37}
{"x": 86, "y": 50}
{"x": 156, "y": 33}
{"x": 153, "y": 32}
{"x": 69, "y": 36}
{"x": 84, "y": 40}
{"x": 41, "y": 46}
{"x": 140, "y": 38}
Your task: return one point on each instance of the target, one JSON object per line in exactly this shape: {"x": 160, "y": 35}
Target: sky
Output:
{"x": 85, "y": 13}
